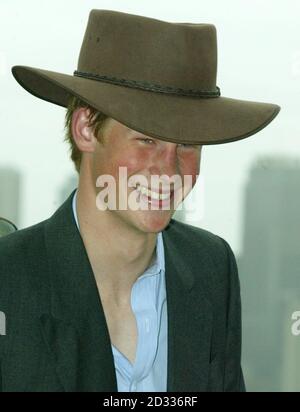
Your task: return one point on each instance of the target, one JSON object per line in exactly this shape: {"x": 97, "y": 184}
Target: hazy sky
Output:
{"x": 258, "y": 59}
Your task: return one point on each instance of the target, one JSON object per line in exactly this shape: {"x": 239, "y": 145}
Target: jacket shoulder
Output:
{"x": 21, "y": 244}
{"x": 205, "y": 253}
{"x": 22, "y": 260}
{"x": 195, "y": 238}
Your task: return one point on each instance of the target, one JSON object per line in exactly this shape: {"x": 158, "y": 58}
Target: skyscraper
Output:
{"x": 270, "y": 273}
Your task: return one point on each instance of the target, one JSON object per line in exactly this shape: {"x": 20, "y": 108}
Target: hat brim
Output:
{"x": 178, "y": 119}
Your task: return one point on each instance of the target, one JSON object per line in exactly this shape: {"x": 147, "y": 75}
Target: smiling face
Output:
{"x": 145, "y": 156}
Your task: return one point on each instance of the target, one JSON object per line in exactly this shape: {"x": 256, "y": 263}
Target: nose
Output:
{"x": 165, "y": 161}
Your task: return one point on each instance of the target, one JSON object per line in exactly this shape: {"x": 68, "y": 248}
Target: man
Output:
{"x": 102, "y": 297}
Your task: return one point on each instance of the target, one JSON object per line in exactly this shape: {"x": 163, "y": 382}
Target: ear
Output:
{"x": 82, "y": 133}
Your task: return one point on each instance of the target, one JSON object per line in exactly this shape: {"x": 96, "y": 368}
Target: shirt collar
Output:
{"x": 159, "y": 263}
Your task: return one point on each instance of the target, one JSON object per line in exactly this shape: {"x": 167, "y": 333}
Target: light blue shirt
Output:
{"x": 149, "y": 305}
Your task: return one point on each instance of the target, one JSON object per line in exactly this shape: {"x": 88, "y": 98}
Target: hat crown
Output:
{"x": 142, "y": 49}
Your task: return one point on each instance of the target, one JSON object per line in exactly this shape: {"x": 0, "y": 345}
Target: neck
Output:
{"x": 118, "y": 252}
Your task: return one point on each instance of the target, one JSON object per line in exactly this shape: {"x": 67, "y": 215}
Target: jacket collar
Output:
{"x": 76, "y": 331}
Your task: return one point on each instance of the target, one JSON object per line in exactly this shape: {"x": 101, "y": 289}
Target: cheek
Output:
{"x": 134, "y": 161}
{"x": 191, "y": 166}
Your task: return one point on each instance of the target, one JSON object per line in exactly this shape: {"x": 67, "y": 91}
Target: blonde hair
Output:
{"x": 96, "y": 121}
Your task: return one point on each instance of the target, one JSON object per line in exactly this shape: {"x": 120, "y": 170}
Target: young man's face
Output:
{"x": 143, "y": 157}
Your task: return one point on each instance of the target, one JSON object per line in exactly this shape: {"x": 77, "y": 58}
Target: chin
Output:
{"x": 154, "y": 223}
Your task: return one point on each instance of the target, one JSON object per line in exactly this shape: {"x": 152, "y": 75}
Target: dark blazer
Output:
{"x": 56, "y": 335}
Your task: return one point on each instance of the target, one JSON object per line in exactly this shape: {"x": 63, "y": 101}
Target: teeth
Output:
{"x": 153, "y": 195}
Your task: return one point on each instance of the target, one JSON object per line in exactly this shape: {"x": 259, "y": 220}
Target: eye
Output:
{"x": 188, "y": 146}
{"x": 146, "y": 140}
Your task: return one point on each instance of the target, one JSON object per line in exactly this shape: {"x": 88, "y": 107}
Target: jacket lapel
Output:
{"x": 63, "y": 344}
{"x": 75, "y": 332}
{"x": 189, "y": 316}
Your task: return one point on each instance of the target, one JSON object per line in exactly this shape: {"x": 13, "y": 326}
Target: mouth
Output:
{"x": 158, "y": 198}
{"x": 153, "y": 194}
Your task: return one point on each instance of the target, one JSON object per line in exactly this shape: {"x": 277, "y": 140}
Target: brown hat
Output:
{"x": 155, "y": 77}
